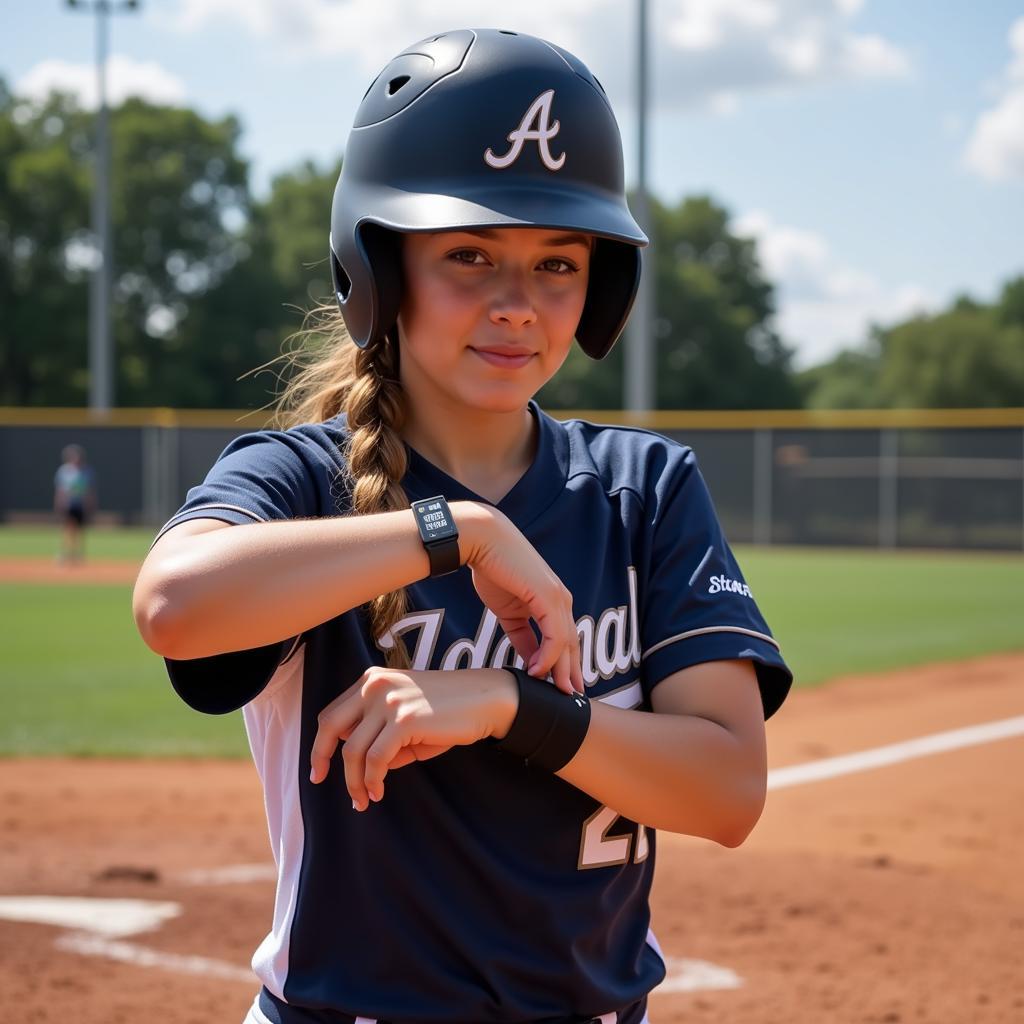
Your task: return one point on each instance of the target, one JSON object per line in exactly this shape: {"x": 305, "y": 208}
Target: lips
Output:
{"x": 507, "y": 358}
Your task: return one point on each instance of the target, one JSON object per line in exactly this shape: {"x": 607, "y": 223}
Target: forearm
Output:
{"x": 681, "y": 773}
{"x": 676, "y": 772}
{"x": 247, "y": 586}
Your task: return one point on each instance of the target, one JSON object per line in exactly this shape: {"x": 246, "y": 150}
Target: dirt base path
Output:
{"x": 48, "y": 570}
{"x": 893, "y": 894}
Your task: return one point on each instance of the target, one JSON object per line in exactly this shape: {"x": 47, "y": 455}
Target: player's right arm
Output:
{"x": 206, "y": 589}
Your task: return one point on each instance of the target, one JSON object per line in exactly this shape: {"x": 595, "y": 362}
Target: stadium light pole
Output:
{"x": 639, "y": 376}
{"x": 101, "y": 359}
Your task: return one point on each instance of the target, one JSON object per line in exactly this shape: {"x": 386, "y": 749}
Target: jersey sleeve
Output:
{"x": 697, "y": 607}
{"x": 259, "y": 477}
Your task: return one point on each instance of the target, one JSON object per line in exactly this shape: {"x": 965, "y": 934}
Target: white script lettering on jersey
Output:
{"x": 608, "y": 646}
{"x": 720, "y": 583}
{"x": 539, "y": 111}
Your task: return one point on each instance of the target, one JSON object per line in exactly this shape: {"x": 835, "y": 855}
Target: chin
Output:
{"x": 494, "y": 396}
{"x": 510, "y": 398}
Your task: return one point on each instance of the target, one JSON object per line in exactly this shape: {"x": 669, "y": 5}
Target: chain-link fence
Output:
{"x": 926, "y": 479}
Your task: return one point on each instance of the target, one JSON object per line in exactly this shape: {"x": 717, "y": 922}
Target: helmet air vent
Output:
{"x": 342, "y": 282}
{"x": 396, "y": 83}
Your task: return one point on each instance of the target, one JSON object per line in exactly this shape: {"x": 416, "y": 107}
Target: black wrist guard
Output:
{"x": 549, "y": 726}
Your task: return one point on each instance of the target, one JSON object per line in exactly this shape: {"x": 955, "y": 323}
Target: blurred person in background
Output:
{"x": 74, "y": 501}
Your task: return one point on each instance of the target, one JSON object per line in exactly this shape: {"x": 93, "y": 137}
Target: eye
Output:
{"x": 469, "y": 257}
{"x": 558, "y": 265}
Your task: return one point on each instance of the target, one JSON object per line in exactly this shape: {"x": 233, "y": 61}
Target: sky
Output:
{"x": 874, "y": 148}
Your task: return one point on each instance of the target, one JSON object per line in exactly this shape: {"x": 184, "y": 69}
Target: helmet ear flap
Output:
{"x": 611, "y": 290}
{"x": 371, "y": 308}
{"x": 383, "y": 251}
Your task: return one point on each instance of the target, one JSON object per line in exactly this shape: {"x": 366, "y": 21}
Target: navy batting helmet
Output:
{"x": 473, "y": 129}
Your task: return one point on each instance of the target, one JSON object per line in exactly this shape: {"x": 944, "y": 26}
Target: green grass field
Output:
{"x": 42, "y": 542}
{"x": 77, "y": 679}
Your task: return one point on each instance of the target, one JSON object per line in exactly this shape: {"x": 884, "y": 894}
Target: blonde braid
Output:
{"x": 333, "y": 375}
{"x": 376, "y": 410}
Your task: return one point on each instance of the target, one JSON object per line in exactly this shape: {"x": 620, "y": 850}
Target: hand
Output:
{"x": 389, "y": 718}
{"x": 517, "y": 584}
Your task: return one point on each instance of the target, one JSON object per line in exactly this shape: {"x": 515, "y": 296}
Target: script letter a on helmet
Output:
{"x": 535, "y": 126}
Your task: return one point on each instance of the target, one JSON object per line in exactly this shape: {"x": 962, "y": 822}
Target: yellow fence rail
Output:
{"x": 660, "y": 419}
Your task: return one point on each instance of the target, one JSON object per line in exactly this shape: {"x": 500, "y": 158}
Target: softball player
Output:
{"x": 74, "y": 501}
{"x": 481, "y": 654}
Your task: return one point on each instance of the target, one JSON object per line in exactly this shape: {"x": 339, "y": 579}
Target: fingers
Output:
{"x": 560, "y": 673}
{"x": 362, "y": 755}
{"x": 379, "y": 757}
{"x": 522, "y": 638}
{"x": 559, "y": 652}
{"x": 333, "y": 724}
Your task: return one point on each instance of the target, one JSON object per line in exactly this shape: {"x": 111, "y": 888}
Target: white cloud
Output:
{"x": 125, "y": 77}
{"x": 995, "y": 150}
{"x": 824, "y": 305}
{"x": 371, "y": 32}
{"x": 763, "y": 45}
{"x": 702, "y": 49}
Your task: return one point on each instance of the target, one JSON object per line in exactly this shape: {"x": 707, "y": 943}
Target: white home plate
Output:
{"x": 100, "y": 923}
{"x": 112, "y": 918}
{"x": 696, "y": 976}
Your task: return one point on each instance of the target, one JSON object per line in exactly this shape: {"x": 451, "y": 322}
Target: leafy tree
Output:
{"x": 1010, "y": 308}
{"x": 44, "y": 206}
{"x": 179, "y": 205}
{"x": 849, "y": 381}
{"x": 284, "y": 274}
{"x": 715, "y": 348}
{"x": 971, "y": 355}
{"x": 960, "y": 358}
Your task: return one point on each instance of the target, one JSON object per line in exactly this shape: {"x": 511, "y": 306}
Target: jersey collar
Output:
{"x": 535, "y": 490}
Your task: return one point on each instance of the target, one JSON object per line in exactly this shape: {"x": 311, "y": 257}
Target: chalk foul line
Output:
{"x": 895, "y": 753}
{"x": 102, "y": 924}
{"x": 141, "y": 956}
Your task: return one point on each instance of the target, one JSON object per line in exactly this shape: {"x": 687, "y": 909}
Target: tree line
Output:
{"x": 210, "y": 282}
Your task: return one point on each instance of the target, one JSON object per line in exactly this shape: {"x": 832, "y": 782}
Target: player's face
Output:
{"x": 508, "y": 290}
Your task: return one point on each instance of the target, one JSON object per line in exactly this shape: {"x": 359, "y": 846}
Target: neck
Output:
{"x": 473, "y": 445}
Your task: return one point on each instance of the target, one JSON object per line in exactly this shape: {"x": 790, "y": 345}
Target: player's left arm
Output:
{"x": 697, "y": 765}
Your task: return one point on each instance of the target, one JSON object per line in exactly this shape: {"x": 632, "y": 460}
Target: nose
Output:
{"x": 512, "y": 304}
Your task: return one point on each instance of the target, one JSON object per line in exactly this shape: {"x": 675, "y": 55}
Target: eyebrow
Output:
{"x": 555, "y": 240}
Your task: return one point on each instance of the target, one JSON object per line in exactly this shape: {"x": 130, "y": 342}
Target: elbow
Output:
{"x": 736, "y": 836}
{"x": 746, "y": 812}
{"x": 158, "y": 617}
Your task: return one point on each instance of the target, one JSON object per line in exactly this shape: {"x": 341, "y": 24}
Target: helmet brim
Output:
{"x": 562, "y": 209}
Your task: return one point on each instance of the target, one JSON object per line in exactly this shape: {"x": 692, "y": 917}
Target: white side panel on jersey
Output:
{"x": 653, "y": 943}
{"x": 272, "y": 722}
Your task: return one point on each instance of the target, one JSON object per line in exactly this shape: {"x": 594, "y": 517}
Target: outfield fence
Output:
{"x": 888, "y": 478}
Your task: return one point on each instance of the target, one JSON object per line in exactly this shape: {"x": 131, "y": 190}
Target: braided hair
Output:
{"x": 336, "y": 376}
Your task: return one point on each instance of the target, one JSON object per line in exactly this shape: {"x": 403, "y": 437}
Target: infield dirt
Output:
{"x": 889, "y": 895}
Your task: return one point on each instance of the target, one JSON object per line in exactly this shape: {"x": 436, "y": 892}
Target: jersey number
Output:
{"x": 600, "y": 850}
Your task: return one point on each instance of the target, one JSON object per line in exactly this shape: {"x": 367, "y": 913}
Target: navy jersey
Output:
{"x": 478, "y": 889}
